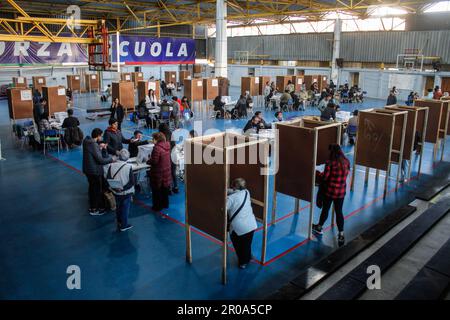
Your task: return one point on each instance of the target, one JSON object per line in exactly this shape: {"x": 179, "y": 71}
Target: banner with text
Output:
{"x": 135, "y": 50}
{"x": 26, "y": 52}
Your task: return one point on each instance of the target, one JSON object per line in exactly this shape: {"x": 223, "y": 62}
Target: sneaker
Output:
{"x": 317, "y": 229}
{"x": 93, "y": 212}
{"x": 101, "y": 211}
{"x": 341, "y": 238}
{"x": 243, "y": 266}
{"x": 127, "y": 227}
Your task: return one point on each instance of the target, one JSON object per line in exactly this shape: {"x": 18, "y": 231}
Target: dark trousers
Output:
{"x": 338, "y": 203}
{"x": 173, "y": 169}
{"x": 96, "y": 200}
{"x": 243, "y": 246}
{"x": 160, "y": 198}
{"x": 123, "y": 204}
{"x": 119, "y": 124}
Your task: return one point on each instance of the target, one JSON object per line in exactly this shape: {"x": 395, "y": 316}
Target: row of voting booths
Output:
{"x": 74, "y": 82}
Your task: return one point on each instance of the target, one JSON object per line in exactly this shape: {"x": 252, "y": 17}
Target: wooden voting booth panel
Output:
{"x": 170, "y": 76}
{"x": 38, "y": 83}
{"x": 323, "y": 82}
{"x": 136, "y": 77}
{"x": 183, "y": 74}
{"x": 144, "y": 86}
{"x": 19, "y": 82}
{"x": 224, "y": 85}
{"x": 193, "y": 89}
{"x": 92, "y": 82}
{"x": 310, "y": 79}
{"x": 56, "y": 99}
{"x": 411, "y": 129}
{"x": 282, "y": 82}
{"x": 74, "y": 83}
{"x": 20, "y": 103}
{"x": 298, "y": 82}
{"x": 124, "y": 90}
{"x": 435, "y": 113}
{"x": 250, "y": 84}
{"x": 126, "y": 77}
{"x": 448, "y": 123}
{"x": 262, "y": 84}
{"x": 445, "y": 119}
{"x": 210, "y": 88}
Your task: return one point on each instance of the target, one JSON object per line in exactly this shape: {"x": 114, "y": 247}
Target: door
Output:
{"x": 429, "y": 84}
{"x": 354, "y": 76}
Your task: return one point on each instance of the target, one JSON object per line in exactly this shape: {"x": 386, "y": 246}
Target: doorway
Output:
{"x": 445, "y": 85}
{"x": 354, "y": 78}
{"x": 429, "y": 84}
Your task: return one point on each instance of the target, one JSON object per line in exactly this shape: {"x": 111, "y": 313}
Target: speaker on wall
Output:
{"x": 340, "y": 62}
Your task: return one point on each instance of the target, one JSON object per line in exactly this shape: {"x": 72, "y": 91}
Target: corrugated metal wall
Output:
{"x": 355, "y": 46}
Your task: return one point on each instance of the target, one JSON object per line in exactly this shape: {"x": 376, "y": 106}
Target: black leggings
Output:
{"x": 338, "y": 204}
{"x": 96, "y": 200}
{"x": 243, "y": 246}
{"x": 160, "y": 198}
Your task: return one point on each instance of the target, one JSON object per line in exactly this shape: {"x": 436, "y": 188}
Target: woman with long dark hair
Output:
{"x": 117, "y": 112}
{"x": 334, "y": 178}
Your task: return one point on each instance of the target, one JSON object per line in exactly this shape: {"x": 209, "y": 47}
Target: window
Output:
{"x": 438, "y": 7}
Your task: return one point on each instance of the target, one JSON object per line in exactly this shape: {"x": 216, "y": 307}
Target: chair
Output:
{"x": 50, "y": 137}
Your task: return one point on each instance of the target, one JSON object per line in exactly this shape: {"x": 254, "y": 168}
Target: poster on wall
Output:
{"x": 28, "y": 52}
{"x": 139, "y": 50}
{"x": 25, "y": 95}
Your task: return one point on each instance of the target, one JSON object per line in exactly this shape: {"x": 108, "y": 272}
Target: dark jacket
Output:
{"x": 160, "y": 172}
{"x": 70, "y": 122}
{"x": 392, "y": 99}
{"x": 38, "y": 111}
{"x": 241, "y": 106}
{"x": 73, "y": 135}
{"x": 93, "y": 157}
{"x": 328, "y": 114}
{"x": 133, "y": 147}
{"x": 115, "y": 140}
{"x": 117, "y": 112}
{"x": 250, "y": 125}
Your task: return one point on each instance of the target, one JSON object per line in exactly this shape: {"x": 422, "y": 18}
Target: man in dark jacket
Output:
{"x": 72, "y": 133}
{"x": 94, "y": 158}
{"x": 113, "y": 138}
{"x": 253, "y": 123}
{"x": 135, "y": 142}
{"x": 70, "y": 121}
{"x": 329, "y": 113}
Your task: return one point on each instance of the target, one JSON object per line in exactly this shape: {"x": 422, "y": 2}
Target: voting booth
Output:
{"x": 211, "y": 163}
{"x": 136, "y": 77}
{"x": 38, "y": 83}
{"x": 125, "y": 77}
{"x": 282, "y": 82}
{"x": 20, "y": 103}
{"x": 170, "y": 76}
{"x": 19, "y": 82}
{"x": 298, "y": 82}
{"x": 193, "y": 89}
{"x": 183, "y": 74}
{"x": 302, "y": 146}
{"x": 380, "y": 142}
{"x": 74, "y": 83}
{"x": 56, "y": 99}
{"x": 250, "y": 84}
{"x": 210, "y": 88}
{"x": 438, "y": 121}
{"x": 224, "y": 85}
{"x": 262, "y": 84}
{"x": 124, "y": 90}
{"x": 144, "y": 86}
{"x": 92, "y": 82}
{"x": 416, "y": 127}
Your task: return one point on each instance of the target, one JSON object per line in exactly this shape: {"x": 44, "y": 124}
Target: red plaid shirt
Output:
{"x": 335, "y": 176}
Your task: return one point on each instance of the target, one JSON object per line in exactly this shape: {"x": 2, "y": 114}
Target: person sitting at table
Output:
{"x": 262, "y": 122}
{"x": 329, "y": 113}
{"x": 160, "y": 173}
{"x": 113, "y": 138}
{"x": 324, "y": 103}
{"x": 135, "y": 142}
{"x": 253, "y": 124}
{"x": 44, "y": 124}
{"x": 151, "y": 100}
{"x": 72, "y": 133}
{"x": 284, "y": 100}
{"x": 278, "y": 116}
{"x": 117, "y": 112}
{"x": 219, "y": 107}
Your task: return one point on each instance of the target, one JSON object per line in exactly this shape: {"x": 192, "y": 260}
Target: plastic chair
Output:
{"x": 50, "y": 137}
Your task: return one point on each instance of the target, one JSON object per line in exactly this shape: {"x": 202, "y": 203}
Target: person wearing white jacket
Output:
{"x": 241, "y": 220}
{"x": 121, "y": 182}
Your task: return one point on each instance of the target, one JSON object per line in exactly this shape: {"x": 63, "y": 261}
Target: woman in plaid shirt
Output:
{"x": 335, "y": 179}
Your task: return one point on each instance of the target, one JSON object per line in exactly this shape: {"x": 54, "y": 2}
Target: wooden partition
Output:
{"x": 126, "y": 77}
{"x": 250, "y": 84}
{"x": 448, "y": 123}
{"x": 212, "y": 163}
{"x": 183, "y": 74}
{"x": 302, "y": 145}
{"x": 136, "y": 77}
{"x": 38, "y": 83}
{"x": 144, "y": 86}
{"x": 438, "y": 121}
{"x": 323, "y": 82}
{"x": 224, "y": 85}
{"x": 124, "y": 90}
{"x": 20, "y": 103}
{"x": 282, "y": 82}
{"x": 56, "y": 99}
{"x": 74, "y": 83}
{"x": 210, "y": 88}
{"x": 20, "y": 82}
{"x": 170, "y": 76}
{"x": 309, "y": 80}
{"x": 380, "y": 142}
{"x": 298, "y": 82}
{"x": 262, "y": 84}
{"x": 92, "y": 82}
{"x": 416, "y": 126}
{"x": 193, "y": 89}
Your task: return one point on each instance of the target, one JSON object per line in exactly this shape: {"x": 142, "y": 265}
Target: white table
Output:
{"x": 230, "y": 105}
{"x": 137, "y": 166}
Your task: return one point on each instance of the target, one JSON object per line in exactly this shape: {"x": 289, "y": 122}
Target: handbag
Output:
{"x": 237, "y": 212}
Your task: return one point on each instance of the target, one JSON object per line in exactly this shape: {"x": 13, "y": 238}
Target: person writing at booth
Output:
{"x": 241, "y": 221}
{"x": 334, "y": 183}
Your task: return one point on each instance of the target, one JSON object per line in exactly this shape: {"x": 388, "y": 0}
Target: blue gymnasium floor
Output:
{"x": 46, "y": 228}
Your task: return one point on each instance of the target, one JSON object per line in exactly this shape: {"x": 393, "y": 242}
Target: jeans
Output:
{"x": 173, "y": 169}
{"x": 123, "y": 204}
{"x": 96, "y": 199}
{"x": 243, "y": 246}
{"x": 338, "y": 204}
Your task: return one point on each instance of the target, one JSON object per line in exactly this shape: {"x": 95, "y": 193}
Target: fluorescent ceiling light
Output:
{"x": 438, "y": 7}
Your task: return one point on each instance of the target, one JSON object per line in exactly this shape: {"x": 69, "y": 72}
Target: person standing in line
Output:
{"x": 241, "y": 221}
{"x": 117, "y": 112}
{"x": 94, "y": 158}
{"x": 334, "y": 178}
{"x": 113, "y": 138}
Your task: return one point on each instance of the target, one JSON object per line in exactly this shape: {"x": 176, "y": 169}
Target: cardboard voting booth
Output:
{"x": 20, "y": 103}
{"x": 38, "y": 83}
{"x": 124, "y": 90}
{"x": 56, "y": 99}
{"x": 74, "y": 83}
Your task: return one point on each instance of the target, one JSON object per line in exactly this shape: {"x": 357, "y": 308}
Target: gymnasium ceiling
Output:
{"x": 183, "y": 12}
